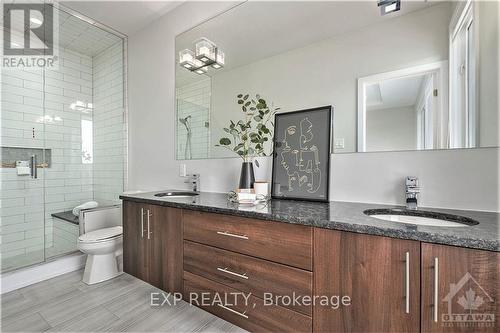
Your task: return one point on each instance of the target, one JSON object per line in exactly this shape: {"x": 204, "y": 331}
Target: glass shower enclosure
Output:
{"x": 63, "y": 141}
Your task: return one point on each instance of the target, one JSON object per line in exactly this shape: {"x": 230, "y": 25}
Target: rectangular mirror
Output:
{"x": 423, "y": 77}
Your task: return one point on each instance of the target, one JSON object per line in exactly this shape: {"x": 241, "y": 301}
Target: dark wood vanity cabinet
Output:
{"x": 461, "y": 281}
{"x": 226, "y": 254}
{"x": 152, "y": 244}
{"x": 372, "y": 283}
{"x": 380, "y": 275}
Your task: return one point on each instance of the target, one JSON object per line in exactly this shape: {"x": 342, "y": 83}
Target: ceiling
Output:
{"x": 256, "y": 30}
{"x": 83, "y": 37}
{"x": 402, "y": 92}
{"x": 126, "y": 17}
{"x": 73, "y": 33}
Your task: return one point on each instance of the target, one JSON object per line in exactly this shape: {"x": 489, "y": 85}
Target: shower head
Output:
{"x": 185, "y": 122}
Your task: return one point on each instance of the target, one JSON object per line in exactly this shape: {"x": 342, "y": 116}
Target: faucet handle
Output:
{"x": 411, "y": 181}
{"x": 413, "y": 189}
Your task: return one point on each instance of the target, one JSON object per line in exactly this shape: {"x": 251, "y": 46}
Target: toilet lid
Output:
{"x": 101, "y": 234}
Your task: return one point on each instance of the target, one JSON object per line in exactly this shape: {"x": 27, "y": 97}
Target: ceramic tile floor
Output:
{"x": 65, "y": 304}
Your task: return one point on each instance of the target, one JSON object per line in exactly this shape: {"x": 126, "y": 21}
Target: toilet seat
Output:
{"x": 101, "y": 235}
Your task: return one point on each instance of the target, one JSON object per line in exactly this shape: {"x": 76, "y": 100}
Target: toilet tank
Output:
{"x": 99, "y": 218}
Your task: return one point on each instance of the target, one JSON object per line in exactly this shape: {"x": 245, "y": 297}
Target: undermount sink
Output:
{"x": 177, "y": 194}
{"x": 421, "y": 217}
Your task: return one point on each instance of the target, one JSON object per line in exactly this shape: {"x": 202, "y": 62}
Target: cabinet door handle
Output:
{"x": 142, "y": 222}
{"x": 436, "y": 288}
{"x": 233, "y": 311}
{"x": 225, "y": 233}
{"x": 407, "y": 282}
{"x": 225, "y": 270}
{"x": 149, "y": 232}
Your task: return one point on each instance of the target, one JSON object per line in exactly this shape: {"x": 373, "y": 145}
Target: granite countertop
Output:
{"x": 67, "y": 216}
{"x": 345, "y": 216}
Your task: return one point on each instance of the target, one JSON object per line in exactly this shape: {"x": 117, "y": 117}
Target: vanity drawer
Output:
{"x": 249, "y": 274}
{"x": 280, "y": 242}
{"x": 252, "y": 315}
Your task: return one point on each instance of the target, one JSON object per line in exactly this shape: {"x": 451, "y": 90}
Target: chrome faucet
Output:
{"x": 194, "y": 180}
{"x": 411, "y": 192}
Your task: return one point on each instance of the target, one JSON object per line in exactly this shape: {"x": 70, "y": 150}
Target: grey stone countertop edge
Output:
{"x": 351, "y": 219}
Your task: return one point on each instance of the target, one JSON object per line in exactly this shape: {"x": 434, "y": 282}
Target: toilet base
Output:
{"x": 101, "y": 267}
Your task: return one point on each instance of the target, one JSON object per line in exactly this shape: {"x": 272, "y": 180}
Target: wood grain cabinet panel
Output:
{"x": 260, "y": 277}
{"x": 171, "y": 248}
{"x": 467, "y": 289}
{"x": 152, "y": 244}
{"x": 135, "y": 248}
{"x": 252, "y": 315}
{"x": 279, "y": 242}
{"x": 373, "y": 272}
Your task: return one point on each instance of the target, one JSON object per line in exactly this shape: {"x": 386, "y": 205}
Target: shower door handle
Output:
{"x": 33, "y": 170}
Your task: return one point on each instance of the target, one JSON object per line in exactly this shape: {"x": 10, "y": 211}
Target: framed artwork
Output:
{"x": 301, "y": 156}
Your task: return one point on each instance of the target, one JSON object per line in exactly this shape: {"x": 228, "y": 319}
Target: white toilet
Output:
{"x": 101, "y": 239}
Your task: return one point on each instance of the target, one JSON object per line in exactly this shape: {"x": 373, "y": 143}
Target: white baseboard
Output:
{"x": 25, "y": 276}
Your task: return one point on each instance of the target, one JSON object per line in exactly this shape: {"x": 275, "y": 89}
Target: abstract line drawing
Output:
{"x": 300, "y": 158}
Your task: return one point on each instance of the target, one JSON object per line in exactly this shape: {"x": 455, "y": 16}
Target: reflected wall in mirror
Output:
{"x": 404, "y": 110}
{"x": 301, "y": 55}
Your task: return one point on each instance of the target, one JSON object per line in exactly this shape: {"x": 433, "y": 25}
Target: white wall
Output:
{"x": 391, "y": 129}
{"x": 489, "y": 72}
{"x": 151, "y": 92}
{"x": 326, "y": 73}
{"x": 464, "y": 179}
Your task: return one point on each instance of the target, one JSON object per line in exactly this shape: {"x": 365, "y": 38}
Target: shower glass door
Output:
{"x": 84, "y": 128}
{"x": 70, "y": 117}
{"x": 22, "y": 172}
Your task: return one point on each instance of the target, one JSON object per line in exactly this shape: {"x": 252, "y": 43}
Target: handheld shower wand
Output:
{"x": 187, "y": 150}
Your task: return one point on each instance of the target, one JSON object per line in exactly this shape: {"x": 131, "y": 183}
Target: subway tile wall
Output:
{"x": 109, "y": 125}
{"x": 193, "y": 99}
{"x": 36, "y": 111}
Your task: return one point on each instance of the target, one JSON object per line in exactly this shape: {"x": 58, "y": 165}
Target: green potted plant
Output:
{"x": 248, "y": 137}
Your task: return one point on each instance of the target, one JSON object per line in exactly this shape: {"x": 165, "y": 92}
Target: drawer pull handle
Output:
{"x": 225, "y": 270}
{"x": 225, "y": 233}
{"x": 233, "y": 311}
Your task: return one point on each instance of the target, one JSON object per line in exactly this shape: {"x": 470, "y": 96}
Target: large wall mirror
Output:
{"x": 423, "y": 77}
